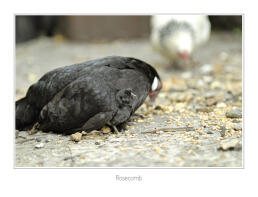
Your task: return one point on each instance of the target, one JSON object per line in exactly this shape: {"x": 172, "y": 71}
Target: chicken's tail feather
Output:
{"x": 25, "y": 114}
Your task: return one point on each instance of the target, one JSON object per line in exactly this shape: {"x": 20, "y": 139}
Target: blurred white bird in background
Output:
{"x": 177, "y": 36}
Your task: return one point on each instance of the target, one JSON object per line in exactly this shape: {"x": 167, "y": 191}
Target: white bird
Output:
{"x": 177, "y": 36}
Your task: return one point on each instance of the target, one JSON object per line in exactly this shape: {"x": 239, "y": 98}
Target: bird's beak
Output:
{"x": 153, "y": 94}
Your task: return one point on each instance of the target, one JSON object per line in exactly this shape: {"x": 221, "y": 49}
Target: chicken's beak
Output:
{"x": 153, "y": 94}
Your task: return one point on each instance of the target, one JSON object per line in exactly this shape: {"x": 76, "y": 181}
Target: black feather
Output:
{"x": 86, "y": 96}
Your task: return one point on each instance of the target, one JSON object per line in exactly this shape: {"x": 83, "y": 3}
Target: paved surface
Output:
{"x": 195, "y": 122}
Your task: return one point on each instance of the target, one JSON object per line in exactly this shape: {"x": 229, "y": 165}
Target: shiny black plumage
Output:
{"x": 86, "y": 96}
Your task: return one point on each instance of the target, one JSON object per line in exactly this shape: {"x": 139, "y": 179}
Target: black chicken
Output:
{"x": 87, "y": 96}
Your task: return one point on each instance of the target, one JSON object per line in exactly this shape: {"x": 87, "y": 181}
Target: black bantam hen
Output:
{"x": 87, "y": 96}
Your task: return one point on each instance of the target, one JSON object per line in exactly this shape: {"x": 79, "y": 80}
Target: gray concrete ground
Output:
{"x": 195, "y": 122}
